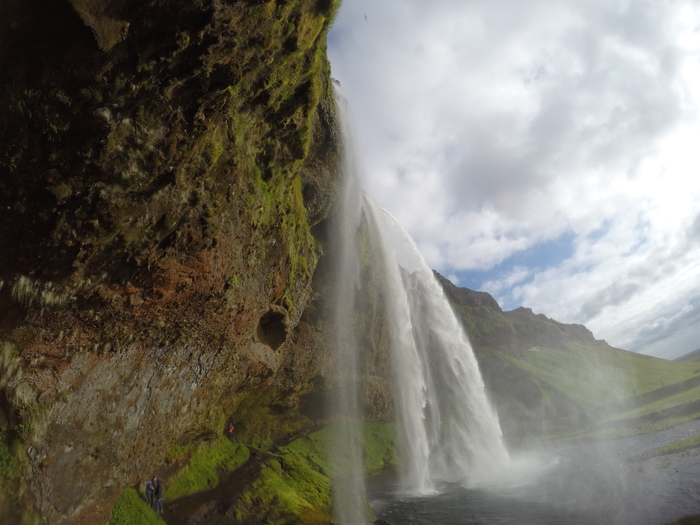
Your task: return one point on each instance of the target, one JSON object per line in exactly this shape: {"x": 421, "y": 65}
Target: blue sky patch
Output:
{"x": 541, "y": 256}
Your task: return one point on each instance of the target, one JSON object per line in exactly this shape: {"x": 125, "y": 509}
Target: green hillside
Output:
{"x": 552, "y": 380}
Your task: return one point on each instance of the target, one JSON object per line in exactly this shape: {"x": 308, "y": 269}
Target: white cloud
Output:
{"x": 488, "y": 128}
{"x": 516, "y": 275}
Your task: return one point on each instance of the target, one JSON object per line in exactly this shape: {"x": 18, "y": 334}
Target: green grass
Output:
{"x": 379, "y": 441}
{"x": 599, "y": 374}
{"x": 293, "y": 487}
{"x": 131, "y": 509}
{"x": 682, "y": 398}
{"x": 204, "y": 463}
{"x": 666, "y": 412}
{"x": 296, "y": 487}
{"x": 605, "y": 391}
{"x": 553, "y": 380}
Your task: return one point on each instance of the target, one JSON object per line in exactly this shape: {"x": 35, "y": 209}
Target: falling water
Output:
{"x": 346, "y": 438}
{"x": 447, "y": 430}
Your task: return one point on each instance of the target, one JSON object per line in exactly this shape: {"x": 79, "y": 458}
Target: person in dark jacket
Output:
{"x": 150, "y": 485}
{"x": 158, "y": 494}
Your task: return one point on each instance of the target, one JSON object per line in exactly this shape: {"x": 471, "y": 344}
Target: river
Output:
{"x": 597, "y": 482}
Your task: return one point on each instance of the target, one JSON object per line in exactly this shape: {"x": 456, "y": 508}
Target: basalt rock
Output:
{"x": 161, "y": 165}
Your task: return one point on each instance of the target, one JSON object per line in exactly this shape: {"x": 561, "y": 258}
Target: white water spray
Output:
{"x": 446, "y": 427}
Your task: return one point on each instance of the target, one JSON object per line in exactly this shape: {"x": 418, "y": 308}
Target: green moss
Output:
{"x": 379, "y": 441}
{"x": 183, "y": 41}
{"x": 379, "y": 446}
{"x": 107, "y": 31}
{"x": 34, "y": 420}
{"x": 296, "y": 486}
{"x": 131, "y": 509}
{"x": 10, "y": 464}
{"x": 255, "y": 422}
{"x": 293, "y": 488}
{"x": 204, "y": 462}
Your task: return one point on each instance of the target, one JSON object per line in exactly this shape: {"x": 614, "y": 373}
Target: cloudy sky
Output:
{"x": 546, "y": 152}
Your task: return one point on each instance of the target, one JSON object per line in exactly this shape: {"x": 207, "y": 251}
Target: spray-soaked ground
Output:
{"x": 594, "y": 483}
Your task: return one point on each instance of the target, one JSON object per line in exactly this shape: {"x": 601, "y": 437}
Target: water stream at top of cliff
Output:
{"x": 446, "y": 428}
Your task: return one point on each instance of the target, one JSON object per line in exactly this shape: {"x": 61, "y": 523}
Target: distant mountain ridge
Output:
{"x": 549, "y": 379}
{"x": 692, "y": 356}
{"x": 512, "y": 331}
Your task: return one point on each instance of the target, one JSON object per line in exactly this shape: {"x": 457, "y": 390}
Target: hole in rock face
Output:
{"x": 272, "y": 330}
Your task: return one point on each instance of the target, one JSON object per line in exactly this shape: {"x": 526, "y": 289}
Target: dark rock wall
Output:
{"x": 161, "y": 165}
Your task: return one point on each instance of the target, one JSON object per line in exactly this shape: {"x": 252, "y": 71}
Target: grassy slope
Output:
{"x": 294, "y": 486}
{"x": 204, "y": 463}
{"x": 617, "y": 391}
{"x": 598, "y": 374}
{"x": 549, "y": 379}
{"x": 131, "y": 509}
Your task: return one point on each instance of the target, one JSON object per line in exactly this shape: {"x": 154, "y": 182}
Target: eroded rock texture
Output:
{"x": 161, "y": 165}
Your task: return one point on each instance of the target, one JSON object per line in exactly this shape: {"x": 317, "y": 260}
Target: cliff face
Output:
{"x": 161, "y": 166}
{"x": 512, "y": 332}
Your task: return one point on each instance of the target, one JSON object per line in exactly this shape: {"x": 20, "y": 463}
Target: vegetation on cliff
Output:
{"x": 130, "y": 509}
{"x": 161, "y": 167}
{"x": 278, "y": 484}
{"x": 202, "y": 465}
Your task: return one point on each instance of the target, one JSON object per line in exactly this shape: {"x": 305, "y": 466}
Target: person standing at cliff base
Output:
{"x": 149, "y": 491}
{"x": 158, "y": 493}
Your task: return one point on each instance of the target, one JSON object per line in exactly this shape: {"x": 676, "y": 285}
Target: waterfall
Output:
{"x": 346, "y": 437}
{"x": 446, "y": 427}
{"x": 448, "y": 430}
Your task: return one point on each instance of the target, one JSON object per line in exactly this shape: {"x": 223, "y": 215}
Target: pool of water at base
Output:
{"x": 606, "y": 482}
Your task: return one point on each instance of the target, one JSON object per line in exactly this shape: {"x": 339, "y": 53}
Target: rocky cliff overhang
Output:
{"x": 161, "y": 165}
